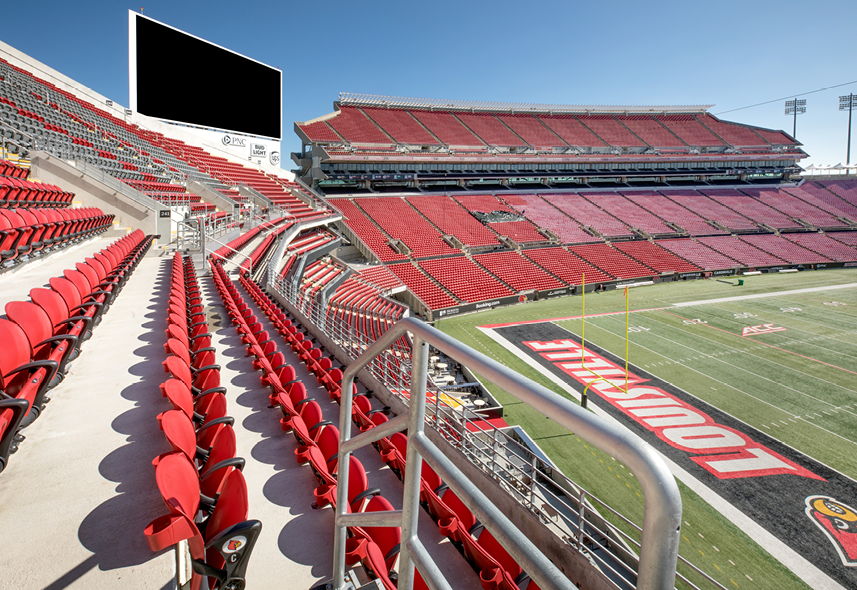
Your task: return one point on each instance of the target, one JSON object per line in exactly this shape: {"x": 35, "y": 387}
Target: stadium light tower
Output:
{"x": 847, "y": 103}
{"x": 795, "y": 107}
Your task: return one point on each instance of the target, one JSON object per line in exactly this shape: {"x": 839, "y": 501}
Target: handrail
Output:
{"x": 662, "y": 512}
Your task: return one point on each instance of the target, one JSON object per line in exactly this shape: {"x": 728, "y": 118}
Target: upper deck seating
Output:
{"x": 401, "y": 126}
{"x": 545, "y": 215}
{"x": 586, "y": 212}
{"x": 690, "y": 131}
{"x": 699, "y": 254}
{"x": 651, "y": 131}
{"x": 743, "y": 252}
{"x": 517, "y": 271}
{"x": 752, "y": 208}
{"x": 572, "y": 131}
{"x": 611, "y": 130}
{"x": 710, "y": 209}
{"x": 531, "y": 130}
{"x": 447, "y": 128}
{"x": 452, "y": 219}
{"x": 566, "y": 265}
{"x": 612, "y": 261}
{"x": 655, "y": 257}
{"x": 490, "y": 129}
{"x": 355, "y": 127}
{"x": 736, "y": 135}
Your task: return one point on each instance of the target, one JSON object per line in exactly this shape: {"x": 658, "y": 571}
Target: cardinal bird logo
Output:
{"x": 838, "y": 522}
{"x": 234, "y": 544}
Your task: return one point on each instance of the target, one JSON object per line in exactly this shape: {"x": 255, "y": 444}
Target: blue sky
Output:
{"x": 730, "y": 53}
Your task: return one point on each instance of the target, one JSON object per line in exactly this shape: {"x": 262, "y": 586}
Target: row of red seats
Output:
{"x": 317, "y": 439}
{"x": 24, "y": 232}
{"x": 40, "y": 337}
{"x": 228, "y": 251}
{"x": 7, "y": 168}
{"x": 200, "y": 479}
{"x": 20, "y": 192}
{"x": 262, "y": 249}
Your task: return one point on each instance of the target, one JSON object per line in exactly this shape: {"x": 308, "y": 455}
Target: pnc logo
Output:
{"x": 838, "y": 522}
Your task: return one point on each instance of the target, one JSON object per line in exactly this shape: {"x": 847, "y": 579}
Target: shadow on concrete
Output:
{"x": 113, "y": 531}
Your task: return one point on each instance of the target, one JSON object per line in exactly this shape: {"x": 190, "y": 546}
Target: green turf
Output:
{"x": 797, "y": 392}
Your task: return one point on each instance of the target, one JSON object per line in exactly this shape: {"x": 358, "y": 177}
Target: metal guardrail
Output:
{"x": 662, "y": 515}
{"x": 571, "y": 512}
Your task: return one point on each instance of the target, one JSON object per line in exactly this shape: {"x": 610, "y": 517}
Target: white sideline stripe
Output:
{"x": 761, "y": 295}
{"x": 787, "y": 556}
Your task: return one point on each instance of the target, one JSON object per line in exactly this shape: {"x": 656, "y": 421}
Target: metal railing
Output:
{"x": 573, "y": 513}
{"x": 662, "y": 515}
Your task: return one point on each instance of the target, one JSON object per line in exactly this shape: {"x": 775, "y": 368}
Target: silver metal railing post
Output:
{"x": 662, "y": 512}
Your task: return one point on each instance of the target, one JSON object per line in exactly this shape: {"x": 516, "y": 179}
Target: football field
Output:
{"x": 771, "y": 364}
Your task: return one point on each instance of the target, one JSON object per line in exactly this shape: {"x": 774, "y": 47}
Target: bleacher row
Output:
{"x": 200, "y": 479}
{"x": 382, "y": 130}
{"x": 316, "y": 444}
{"x": 42, "y": 336}
{"x": 443, "y": 276}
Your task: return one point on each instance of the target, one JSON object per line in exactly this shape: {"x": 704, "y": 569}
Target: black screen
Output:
{"x": 181, "y": 78}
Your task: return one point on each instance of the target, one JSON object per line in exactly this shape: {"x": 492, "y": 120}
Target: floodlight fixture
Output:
{"x": 847, "y": 103}
{"x": 795, "y": 107}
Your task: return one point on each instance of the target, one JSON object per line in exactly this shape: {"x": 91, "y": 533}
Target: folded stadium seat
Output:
{"x": 9, "y": 237}
{"x": 12, "y": 411}
{"x": 214, "y": 461}
{"x": 207, "y": 380}
{"x": 45, "y": 343}
{"x": 55, "y": 307}
{"x": 359, "y": 492}
{"x": 21, "y": 246}
{"x": 327, "y": 444}
{"x": 306, "y": 424}
{"x": 362, "y": 412}
{"x": 21, "y": 377}
{"x": 221, "y": 545}
{"x": 208, "y": 408}
{"x": 367, "y": 544}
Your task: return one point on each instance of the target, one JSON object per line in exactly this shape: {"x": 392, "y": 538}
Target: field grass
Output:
{"x": 798, "y": 385}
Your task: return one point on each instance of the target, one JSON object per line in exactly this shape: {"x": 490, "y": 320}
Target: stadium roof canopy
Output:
{"x": 377, "y": 100}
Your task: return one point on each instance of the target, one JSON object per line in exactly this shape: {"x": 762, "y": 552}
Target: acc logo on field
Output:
{"x": 761, "y": 329}
{"x": 838, "y": 522}
{"x": 234, "y": 544}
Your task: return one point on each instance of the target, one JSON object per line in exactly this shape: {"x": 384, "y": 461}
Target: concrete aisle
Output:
{"x": 76, "y": 496}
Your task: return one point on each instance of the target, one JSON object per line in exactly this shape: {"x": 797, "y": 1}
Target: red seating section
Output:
{"x": 200, "y": 480}
{"x": 543, "y": 214}
{"x": 423, "y": 287}
{"x": 655, "y": 257}
{"x": 454, "y": 220}
{"x": 699, "y": 254}
{"x": 751, "y": 208}
{"x": 824, "y": 245}
{"x": 612, "y": 261}
{"x": 741, "y": 251}
{"x": 566, "y": 265}
{"x": 517, "y": 271}
{"x": 464, "y": 279}
{"x": 783, "y": 249}
{"x": 587, "y": 213}
{"x": 41, "y": 337}
{"x": 710, "y": 210}
{"x": 399, "y": 220}
{"x": 366, "y": 230}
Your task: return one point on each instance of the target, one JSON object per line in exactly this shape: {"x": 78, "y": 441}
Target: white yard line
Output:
{"x": 762, "y": 295}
